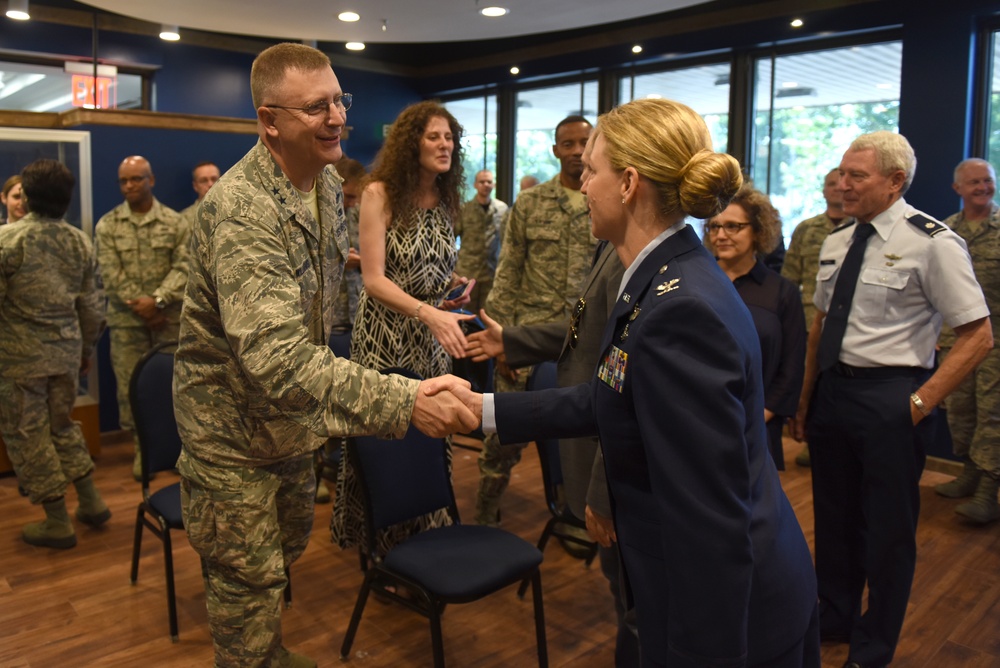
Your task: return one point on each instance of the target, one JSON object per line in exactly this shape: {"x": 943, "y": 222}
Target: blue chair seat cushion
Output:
{"x": 167, "y": 503}
{"x": 463, "y": 562}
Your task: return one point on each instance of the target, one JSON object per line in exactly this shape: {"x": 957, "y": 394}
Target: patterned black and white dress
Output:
{"x": 419, "y": 258}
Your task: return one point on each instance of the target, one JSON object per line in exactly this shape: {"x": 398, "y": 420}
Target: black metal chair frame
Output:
{"x": 147, "y": 515}
{"x": 543, "y": 377}
{"x": 378, "y": 576}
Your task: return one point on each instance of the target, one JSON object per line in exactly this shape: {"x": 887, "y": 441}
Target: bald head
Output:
{"x": 136, "y": 181}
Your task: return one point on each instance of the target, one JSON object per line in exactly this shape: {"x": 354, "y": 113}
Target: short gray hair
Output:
{"x": 892, "y": 153}
{"x": 968, "y": 162}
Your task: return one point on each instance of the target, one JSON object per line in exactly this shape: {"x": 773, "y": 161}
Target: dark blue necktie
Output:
{"x": 835, "y": 323}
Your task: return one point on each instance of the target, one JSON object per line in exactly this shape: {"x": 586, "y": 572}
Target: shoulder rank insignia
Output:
{"x": 928, "y": 226}
{"x": 664, "y": 288}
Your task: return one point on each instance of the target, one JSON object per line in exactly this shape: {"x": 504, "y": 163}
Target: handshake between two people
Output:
{"x": 446, "y": 405}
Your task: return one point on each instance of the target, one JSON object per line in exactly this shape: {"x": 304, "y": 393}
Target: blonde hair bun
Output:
{"x": 707, "y": 183}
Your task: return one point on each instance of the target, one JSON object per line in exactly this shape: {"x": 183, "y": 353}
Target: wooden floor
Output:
{"x": 77, "y": 608}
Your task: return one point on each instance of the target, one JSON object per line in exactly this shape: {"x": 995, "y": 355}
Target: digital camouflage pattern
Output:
{"x": 345, "y": 307}
{"x": 802, "y": 258}
{"x": 974, "y": 406}
{"x": 142, "y": 255}
{"x": 259, "y": 518}
{"x": 51, "y": 315}
{"x": 479, "y": 230}
{"x": 545, "y": 256}
{"x": 255, "y": 382}
{"x": 257, "y": 390}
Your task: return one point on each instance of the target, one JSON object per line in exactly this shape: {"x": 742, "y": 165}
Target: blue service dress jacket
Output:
{"x": 715, "y": 561}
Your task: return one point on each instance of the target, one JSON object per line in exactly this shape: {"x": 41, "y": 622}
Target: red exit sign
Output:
{"x": 87, "y": 94}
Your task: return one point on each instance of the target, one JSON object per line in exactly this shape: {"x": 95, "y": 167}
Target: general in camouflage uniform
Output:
{"x": 974, "y": 407}
{"x": 478, "y": 226}
{"x": 142, "y": 252}
{"x": 256, "y": 388}
{"x": 546, "y": 254}
{"x": 51, "y": 315}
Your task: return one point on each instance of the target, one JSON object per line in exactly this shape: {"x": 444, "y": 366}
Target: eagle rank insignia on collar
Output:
{"x": 664, "y": 288}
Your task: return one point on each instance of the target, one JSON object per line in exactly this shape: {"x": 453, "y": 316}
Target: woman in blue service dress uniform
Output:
{"x": 713, "y": 557}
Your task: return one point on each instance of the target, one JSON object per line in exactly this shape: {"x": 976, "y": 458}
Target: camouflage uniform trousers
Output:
{"x": 128, "y": 345}
{"x": 45, "y": 445}
{"x": 974, "y": 415}
{"x": 496, "y": 461}
{"x": 248, "y": 527}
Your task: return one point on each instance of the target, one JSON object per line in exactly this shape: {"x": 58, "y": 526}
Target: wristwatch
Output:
{"x": 160, "y": 303}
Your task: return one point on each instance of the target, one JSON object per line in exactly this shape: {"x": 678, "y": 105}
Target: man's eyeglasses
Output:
{"x": 322, "y": 108}
{"x": 574, "y": 322}
{"x": 730, "y": 228}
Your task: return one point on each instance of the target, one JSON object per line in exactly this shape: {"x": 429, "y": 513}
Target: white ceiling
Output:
{"x": 405, "y": 20}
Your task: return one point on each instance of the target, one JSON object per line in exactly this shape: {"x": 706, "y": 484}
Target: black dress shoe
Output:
{"x": 855, "y": 664}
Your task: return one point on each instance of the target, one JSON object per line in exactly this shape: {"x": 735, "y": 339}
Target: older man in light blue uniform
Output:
{"x": 885, "y": 284}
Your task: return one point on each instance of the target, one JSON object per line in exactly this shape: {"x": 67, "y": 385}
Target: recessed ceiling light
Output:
{"x": 493, "y": 12}
{"x": 349, "y": 17}
{"x": 796, "y": 23}
{"x": 355, "y": 46}
{"x": 18, "y": 10}
{"x": 636, "y": 49}
{"x": 169, "y": 33}
{"x": 515, "y": 70}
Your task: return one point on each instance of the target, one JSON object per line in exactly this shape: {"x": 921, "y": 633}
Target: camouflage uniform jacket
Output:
{"x": 254, "y": 380}
{"x": 346, "y": 305}
{"x": 984, "y": 248}
{"x": 802, "y": 259}
{"x": 144, "y": 260}
{"x": 51, "y": 305}
{"x": 479, "y": 230}
{"x": 546, "y": 253}
{"x": 188, "y": 214}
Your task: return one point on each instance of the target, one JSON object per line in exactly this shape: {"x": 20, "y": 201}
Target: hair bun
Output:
{"x": 707, "y": 182}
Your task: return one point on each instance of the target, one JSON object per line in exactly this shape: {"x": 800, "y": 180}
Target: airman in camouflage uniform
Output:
{"x": 802, "y": 259}
{"x": 51, "y": 315}
{"x": 256, "y": 388}
{"x": 203, "y": 177}
{"x": 974, "y": 407}
{"x": 546, "y": 254}
{"x": 478, "y": 226}
{"x": 142, "y": 252}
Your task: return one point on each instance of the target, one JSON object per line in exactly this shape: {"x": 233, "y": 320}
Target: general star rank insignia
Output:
{"x": 664, "y": 288}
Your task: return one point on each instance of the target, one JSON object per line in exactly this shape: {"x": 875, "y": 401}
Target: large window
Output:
{"x": 705, "y": 89}
{"x": 539, "y": 110}
{"x": 478, "y": 116}
{"x": 993, "y": 118}
{"x": 807, "y": 112}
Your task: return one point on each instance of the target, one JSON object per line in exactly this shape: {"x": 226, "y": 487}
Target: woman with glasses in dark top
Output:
{"x": 748, "y": 229}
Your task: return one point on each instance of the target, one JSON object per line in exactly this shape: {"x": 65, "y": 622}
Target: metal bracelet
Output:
{"x": 919, "y": 403}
